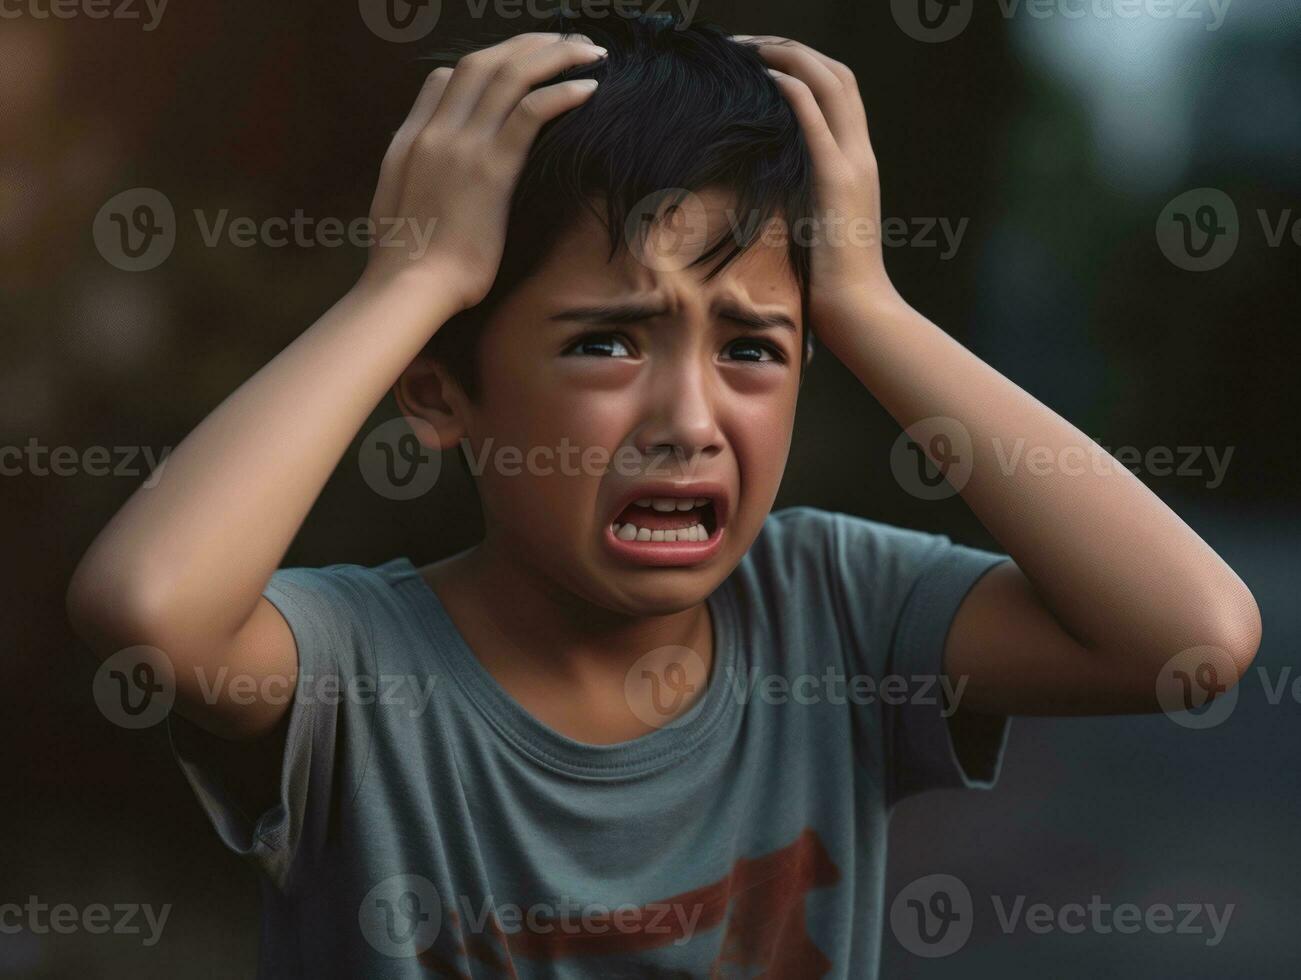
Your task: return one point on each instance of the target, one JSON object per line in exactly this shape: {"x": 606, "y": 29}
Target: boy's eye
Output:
{"x": 599, "y": 345}
{"x": 752, "y": 350}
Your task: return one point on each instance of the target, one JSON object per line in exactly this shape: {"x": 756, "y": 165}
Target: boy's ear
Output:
{"x": 427, "y": 391}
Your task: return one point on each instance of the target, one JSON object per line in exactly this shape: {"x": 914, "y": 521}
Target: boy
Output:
{"x": 559, "y": 753}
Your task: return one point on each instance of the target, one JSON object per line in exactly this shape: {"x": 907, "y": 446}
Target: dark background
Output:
{"x": 1060, "y": 140}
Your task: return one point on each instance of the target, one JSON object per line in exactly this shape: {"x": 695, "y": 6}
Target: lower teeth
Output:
{"x": 630, "y": 532}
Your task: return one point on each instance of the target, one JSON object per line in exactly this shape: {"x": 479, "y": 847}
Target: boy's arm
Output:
{"x": 1107, "y": 584}
{"x": 182, "y": 566}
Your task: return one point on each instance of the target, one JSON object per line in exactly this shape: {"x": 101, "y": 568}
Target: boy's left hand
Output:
{"x": 847, "y": 263}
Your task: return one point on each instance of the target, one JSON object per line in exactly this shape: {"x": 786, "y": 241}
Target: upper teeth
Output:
{"x": 667, "y": 504}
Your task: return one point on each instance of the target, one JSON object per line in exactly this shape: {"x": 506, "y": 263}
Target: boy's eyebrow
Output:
{"x": 634, "y": 311}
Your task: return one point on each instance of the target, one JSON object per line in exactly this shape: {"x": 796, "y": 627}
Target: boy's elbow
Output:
{"x": 106, "y": 612}
{"x": 1243, "y": 632}
{"x": 1235, "y": 628}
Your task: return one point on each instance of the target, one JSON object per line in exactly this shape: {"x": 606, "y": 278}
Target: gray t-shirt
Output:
{"x": 428, "y": 826}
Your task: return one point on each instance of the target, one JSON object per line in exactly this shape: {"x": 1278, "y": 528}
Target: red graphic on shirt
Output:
{"x": 761, "y": 899}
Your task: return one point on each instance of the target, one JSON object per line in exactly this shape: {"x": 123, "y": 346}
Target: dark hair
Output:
{"x": 679, "y": 107}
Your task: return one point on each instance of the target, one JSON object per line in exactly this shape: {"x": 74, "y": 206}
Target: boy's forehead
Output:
{"x": 659, "y": 244}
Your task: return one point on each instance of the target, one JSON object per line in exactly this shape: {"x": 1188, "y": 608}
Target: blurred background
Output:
{"x": 1120, "y": 181}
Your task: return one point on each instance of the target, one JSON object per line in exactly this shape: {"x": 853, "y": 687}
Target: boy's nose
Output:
{"x": 682, "y": 417}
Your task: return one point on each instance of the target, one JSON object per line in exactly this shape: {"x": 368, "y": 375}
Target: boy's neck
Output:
{"x": 565, "y": 660}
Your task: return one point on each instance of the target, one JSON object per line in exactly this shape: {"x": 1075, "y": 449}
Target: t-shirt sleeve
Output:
{"x": 900, "y": 590}
{"x": 328, "y": 616}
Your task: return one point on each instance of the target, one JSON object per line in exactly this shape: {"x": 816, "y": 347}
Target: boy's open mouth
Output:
{"x": 668, "y": 525}
{"x": 667, "y": 520}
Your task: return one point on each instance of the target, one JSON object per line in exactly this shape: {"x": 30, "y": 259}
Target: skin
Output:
{"x": 1105, "y": 586}
{"x": 720, "y": 392}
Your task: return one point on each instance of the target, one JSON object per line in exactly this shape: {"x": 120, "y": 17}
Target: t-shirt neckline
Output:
{"x": 543, "y": 744}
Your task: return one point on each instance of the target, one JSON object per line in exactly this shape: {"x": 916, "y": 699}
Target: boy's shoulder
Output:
{"x": 795, "y": 535}
{"x": 806, "y": 556}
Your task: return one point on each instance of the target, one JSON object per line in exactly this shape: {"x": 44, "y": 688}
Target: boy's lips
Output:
{"x": 669, "y": 524}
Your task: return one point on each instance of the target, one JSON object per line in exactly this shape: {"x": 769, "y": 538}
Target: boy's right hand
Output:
{"x": 446, "y": 182}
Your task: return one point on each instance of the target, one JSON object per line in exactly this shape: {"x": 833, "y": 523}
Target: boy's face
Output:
{"x": 675, "y": 401}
